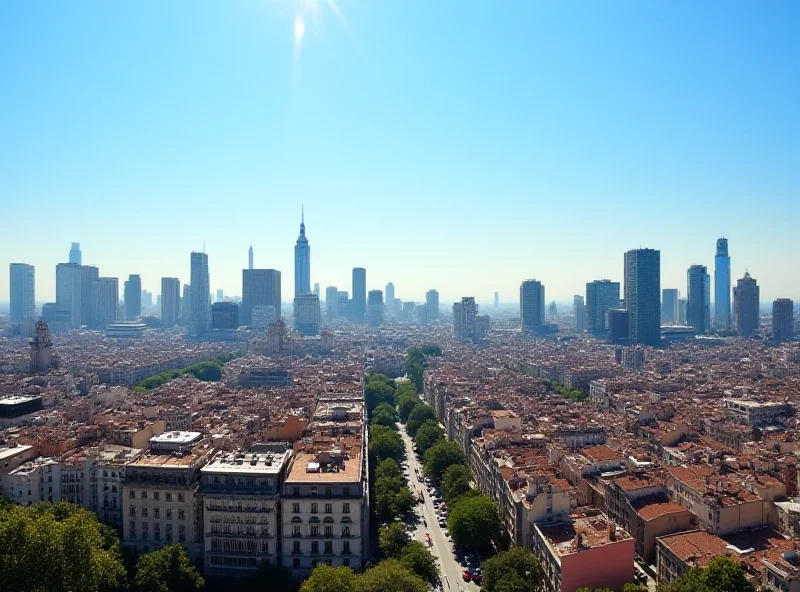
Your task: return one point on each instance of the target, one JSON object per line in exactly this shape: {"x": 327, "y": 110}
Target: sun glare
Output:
{"x": 299, "y": 28}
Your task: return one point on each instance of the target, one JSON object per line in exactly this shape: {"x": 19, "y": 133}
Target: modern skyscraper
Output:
{"x": 697, "y": 292}
{"x": 343, "y": 304}
{"x": 68, "y": 292}
{"x": 465, "y": 314}
{"x": 186, "y": 301}
{"x": 746, "y": 296}
{"x": 331, "y": 303}
{"x": 315, "y": 291}
{"x": 682, "y": 306}
{"x": 250, "y": 258}
{"x": 260, "y": 287}
{"x": 22, "y": 282}
{"x": 390, "y": 299}
{"x": 220, "y": 295}
{"x": 170, "y": 301}
{"x": 722, "y": 286}
{"x": 302, "y": 262}
{"x": 200, "y": 294}
{"x": 359, "y": 307}
{"x": 89, "y": 275}
{"x": 133, "y": 297}
{"x": 432, "y": 304}
{"x": 579, "y": 312}
{"x": 225, "y": 315}
{"x": 375, "y": 307}
{"x": 306, "y": 314}
{"x": 601, "y": 296}
{"x": 531, "y": 304}
{"x": 782, "y": 319}
{"x": 669, "y": 306}
{"x": 105, "y": 299}
{"x": 75, "y": 254}
{"x": 643, "y": 295}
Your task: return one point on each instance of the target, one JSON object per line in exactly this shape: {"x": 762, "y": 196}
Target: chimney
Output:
{"x": 578, "y": 541}
{"x": 612, "y": 532}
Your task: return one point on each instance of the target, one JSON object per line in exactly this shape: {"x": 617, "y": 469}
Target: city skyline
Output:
{"x": 477, "y": 141}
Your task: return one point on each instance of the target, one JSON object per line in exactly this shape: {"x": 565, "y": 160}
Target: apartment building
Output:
{"x": 241, "y": 511}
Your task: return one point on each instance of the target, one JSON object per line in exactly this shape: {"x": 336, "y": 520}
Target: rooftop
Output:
{"x": 250, "y": 463}
{"x": 307, "y": 469}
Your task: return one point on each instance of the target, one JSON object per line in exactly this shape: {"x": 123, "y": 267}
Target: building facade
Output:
{"x": 105, "y": 299}
{"x": 669, "y": 306}
{"x": 68, "y": 292}
{"x": 133, "y": 297}
{"x": 306, "y": 314}
{"x": 601, "y": 296}
{"x": 432, "y": 304}
{"x": 782, "y": 319}
{"x": 643, "y": 295}
{"x": 722, "y": 286}
{"x": 225, "y": 315}
{"x": 170, "y": 301}
{"x": 698, "y": 307}
{"x": 22, "y": 283}
{"x": 531, "y": 304}
{"x": 260, "y": 287}
{"x": 746, "y": 302}
{"x": 375, "y": 307}
{"x": 358, "y": 310}
{"x": 89, "y": 275}
{"x": 200, "y": 295}
{"x": 331, "y": 303}
{"x": 75, "y": 254}
{"x": 302, "y": 262}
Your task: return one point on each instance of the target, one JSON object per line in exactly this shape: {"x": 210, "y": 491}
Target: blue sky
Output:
{"x": 460, "y": 145}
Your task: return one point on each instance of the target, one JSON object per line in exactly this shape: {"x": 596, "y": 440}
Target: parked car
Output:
{"x": 442, "y": 522}
{"x": 477, "y": 576}
{"x": 466, "y": 575}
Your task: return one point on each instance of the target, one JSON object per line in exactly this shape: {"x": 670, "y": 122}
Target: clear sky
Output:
{"x": 459, "y": 145}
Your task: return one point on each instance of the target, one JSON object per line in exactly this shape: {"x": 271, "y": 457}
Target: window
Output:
{"x": 181, "y": 515}
{"x": 315, "y": 531}
{"x": 169, "y": 513}
{"x": 314, "y": 547}
{"x": 345, "y": 531}
{"x": 132, "y": 527}
{"x": 181, "y": 533}
{"x": 346, "y": 547}
{"x": 296, "y": 532}
{"x": 144, "y": 512}
{"x": 169, "y": 530}
{"x": 168, "y": 496}
{"x": 345, "y": 508}
{"x": 144, "y": 494}
{"x": 144, "y": 526}
{"x": 132, "y": 494}
{"x": 314, "y": 508}
{"x": 156, "y": 513}
{"x": 156, "y": 535}
{"x": 313, "y": 491}
{"x": 156, "y": 495}
{"x": 328, "y": 508}
{"x": 328, "y": 547}
{"x": 181, "y": 497}
{"x": 296, "y": 549}
{"x": 328, "y": 531}
{"x": 328, "y": 492}
{"x": 132, "y": 511}
{"x": 295, "y": 508}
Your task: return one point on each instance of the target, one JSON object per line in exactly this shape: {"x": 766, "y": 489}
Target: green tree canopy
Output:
{"x": 167, "y": 570}
{"x": 57, "y": 548}
{"x": 331, "y": 579}
{"x": 393, "y": 539}
{"x": 721, "y": 575}
{"x": 406, "y": 403}
{"x": 455, "y": 482}
{"x": 391, "y": 576}
{"x": 428, "y": 434}
{"x": 452, "y": 503}
{"x": 416, "y": 557}
{"x": 632, "y": 587}
{"x": 384, "y": 414}
{"x": 377, "y": 392}
{"x": 431, "y": 350}
{"x": 440, "y": 456}
{"x": 474, "y": 523}
{"x": 385, "y": 443}
{"x": 404, "y": 502}
{"x": 513, "y": 571}
{"x": 388, "y": 467}
{"x": 419, "y": 415}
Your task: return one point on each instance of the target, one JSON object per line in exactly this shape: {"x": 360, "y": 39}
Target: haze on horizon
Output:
{"x": 462, "y": 146}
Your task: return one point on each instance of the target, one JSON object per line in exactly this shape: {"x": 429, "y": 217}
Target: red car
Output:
{"x": 466, "y": 575}
{"x": 477, "y": 577}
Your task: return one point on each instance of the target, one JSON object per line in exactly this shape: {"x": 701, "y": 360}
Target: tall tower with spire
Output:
{"x": 250, "y": 258}
{"x": 302, "y": 261}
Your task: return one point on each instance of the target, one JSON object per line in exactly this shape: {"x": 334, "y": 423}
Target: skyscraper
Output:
{"x": 746, "y": 305}
{"x": 722, "y": 286}
{"x": 170, "y": 301}
{"x": 105, "y": 299}
{"x": 316, "y": 289}
{"x": 497, "y": 300}
{"x": 782, "y": 319}
{"x": 390, "y": 299}
{"x": 669, "y": 306}
{"x": 643, "y": 295}
{"x": 375, "y": 307}
{"x": 22, "y": 282}
{"x": 432, "y": 304}
{"x": 579, "y": 311}
{"x": 331, "y": 303}
{"x": 306, "y": 314}
{"x": 250, "y": 258}
{"x": 359, "y": 307}
{"x": 220, "y": 295}
{"x": 200, "y": 295}
{"x": 601, "y": 296}
{"x": 531, "y": 304}
{"x": 697, "y": 291}
{"x": 68, "y": 292}
{"x": 302, "y": 262}
{"x": 260, "y": 287}
{"x": 89, "y": 275}
{"x": 186, "y": 301}
{"x": 133, "y": 297}
{"x": 465, "y": 314}
{"x": 75, "y": 254}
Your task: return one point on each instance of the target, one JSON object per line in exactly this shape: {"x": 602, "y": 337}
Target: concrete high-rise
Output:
{"x": 697, "y": 293}
{"x": 497, "y": 300}
{"x": 465, "y": 314}
{"x": 643, "y": 295}
{"x": 306, "y": 314}
{"x": 250, "y": 258}
{"x": 375, "y": 307}
{"x": 579, "y": 312}
{"x": 669, "y": 306}
{"x": 200, "y": 295}
{"x": 531, "y": 304}
{"x": 75, "y": 254}
{"x": 359, "y": 307}
{"x": 390, "y": 299}
{"x": 682, "y": 306}
{"x": 105, "y": 300}
{"x": 722, "y": 286}
{"x": 782, "y": 319}
{"x": 68, "y": 292}
{"x": 260, "y": 287}
{"x": 302, "y": 262}
{"x": 601, "y": 296}
{"x": 22, "y": 284}
{"x": 133, "y": 297}
{"x": 315, "y": 291}
{"x": 170, "y": 301}
{"x": 746, "y": 297}
{"x": 331, "y": 303}
{"x": 89, "y": 275}
{"x": 432, "y": 304}
{"x": 186, "y": 301}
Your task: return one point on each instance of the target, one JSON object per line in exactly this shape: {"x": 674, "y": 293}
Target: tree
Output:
{"x": 419, "y": 415}
{"x": 393, "y": 539}
{"x": 721, "y": 575}
{"x": 420, "y": 561}
{"x": 452, "y": 503}
{"x": 167, "y": 570}
{"x": 431, "y": 350}
{"x": 386, "y": 490}
{"x": 384, "y": 414}
{"x": 440, "y": 456}
{"x": 388, "y": 467}
{"x": 474, "y": 523}
{"x": 428, "y": 434}
{"x": 385, "y": 443}
{"x": 455, "y": 482}
{"x": 631, "y": 587}
{"x": 377, "y": 392}
{"x": 59, "y": 548}
{"x": 390, "y": 576}
{"x": 513, "y": 571}
{"x": 406, "y": 403}
{"x": 331, "y": 579}
{"x": 404, "y": 502}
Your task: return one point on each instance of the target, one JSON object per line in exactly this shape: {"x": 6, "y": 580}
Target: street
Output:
{"x": 442, "y": 548}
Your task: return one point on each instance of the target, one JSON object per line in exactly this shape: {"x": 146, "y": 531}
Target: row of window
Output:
{"x": 156, "y": 513}
{"x": 156, "y": 495}
{"x": 239, "y": 546}
{"x": 296, "y": 562}
{"x": 315, "y": 491}
{"x": 157, "y": 532}
{"x": 315, "y": 508}
{"x": 314, "y": 531}
{"x": 327, "y": 549}
{"x": 240, "y": 529}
